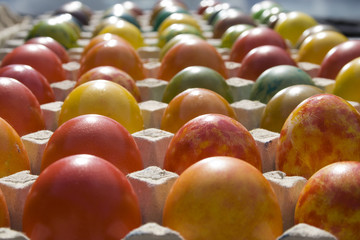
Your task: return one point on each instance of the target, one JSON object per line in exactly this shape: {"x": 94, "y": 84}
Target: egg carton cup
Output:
{"x": 153, "y": 183}
{"x": 11, "y": 23}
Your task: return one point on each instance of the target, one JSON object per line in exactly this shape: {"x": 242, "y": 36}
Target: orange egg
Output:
{"x": 191, "y": 103}
{"x": 191, "y": 53}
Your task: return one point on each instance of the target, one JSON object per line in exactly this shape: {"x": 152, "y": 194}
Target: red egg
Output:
{"x": 262, "y": 58}
{"x": 32, "y": 79}
{"x": 210, "y": 135}
{"x": 84, "y": 194}
{"x": 96, "y": 135}
{"x": 252, "y": 38}
{"x": 39, "y": 57}
{"x": 330, "y": 200}
{"x": 53, "y": 45}
{"x": 19, "y": 107}
{"x": 337, "y": 57}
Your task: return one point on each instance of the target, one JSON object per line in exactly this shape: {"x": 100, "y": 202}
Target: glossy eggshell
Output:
{"x": 84, "y": 194}
{"x": 258, "y": 8}
{"x": 223, "y": 193}
{"x": 19, "y": 107}
{"x": 53, "y": 45}
{"x": 56, "y": 28}
{"x": 39, "y": 57}
{"x": 197, "y": 77}
{"x": 164, "y": 4}
{"x": 274, "y": 19}
{"x": 346, "y": 82}
{"x": 330, "y": 200}
{"x": 315, "y": 47}
{"x": 66, "y": 20}
{"x": 32, "y": 79}
{"x": 112, "y": 74}
{"x": 126, "y": 31}
{"x": 166, "y": 12}
{"x": 322, "y": 130}
{"x": 113, "y": 53}
{"x": 268, "y": 14}
{"x": 191, "y": 53}
{"x": 96, "y": 135}
{"x": 312, "y": 30}
{"x": 179, "y": 18}
{"x": 182, "y": 37}
{"x": 277, "y": 78}
{"x": 210, "y": 135}
{"x": 211, "y": 13}
{"x": 118, "y": 10}
{"x": 105, "y": 98}
{"x": 134, "y": 8}
{"x": 79, "y": 10}
{"x": 292, "y": 24}
{"x": 191, "y": 103}
{"x": 103, "y": 22}
{"x": 283, "y": 103}
{"x": 13, "y": 155}
{"x": 101, "y": 38}
{"x": 337, "y": 57}
{"x": 252, "y": 38}
{"x": 175, "y": 29}
{"x": 229, "y": 19}
{"x": 203, "y": 4}
{"x": 232, "y": 33}
{"x": 262, "y": 58}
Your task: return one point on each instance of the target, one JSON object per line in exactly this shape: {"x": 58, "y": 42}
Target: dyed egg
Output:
{"x": 210, "y": 135}
{"x": 262, "y": 58}
{"x": 232, "y": 33}
{"x": 337, "y": 57}
{"x": 197, "y": 77}
{"x": 176, "y": 29}
{"x": 252, "y": 38}
{"x": 322, "y": 130}
{"x": 330, "y": 200}
{"x": 347, "y": 82}
{"x": 315, "y": 47}
{"x": 191, "y": 103}
{"x": 283, "y": 103}
{"x": 276, "y": 78}
{"x": 292, "y": 24}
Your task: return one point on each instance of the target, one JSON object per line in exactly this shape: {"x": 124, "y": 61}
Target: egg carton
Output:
{"x": 10, "y": 23}
{"x": 153, "y": 183}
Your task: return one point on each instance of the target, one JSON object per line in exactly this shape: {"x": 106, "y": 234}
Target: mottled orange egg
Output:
{"x": 321, "y": 130}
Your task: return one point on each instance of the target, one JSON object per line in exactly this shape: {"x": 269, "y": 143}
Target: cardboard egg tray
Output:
{"x": 153, "y": 183}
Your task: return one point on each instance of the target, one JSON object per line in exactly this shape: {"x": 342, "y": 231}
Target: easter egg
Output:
{"x": 283, "y": 103}
{"x": 347, "y": 82}
{"x": 210, "y": 135}
{"x": 330, "y": 200}
{"x": 323, "y": 129}
{"x": 223, "y": 198}
{"x": 276, "y": 78}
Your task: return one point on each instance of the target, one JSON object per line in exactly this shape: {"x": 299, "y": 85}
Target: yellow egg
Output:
{"x": 105, "y": 98}
{"x": 292, "y": 24}
{"x": 347, "y": 82}
{"x": 178, "y": 18}
{"x": 316, "y": 46}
